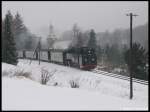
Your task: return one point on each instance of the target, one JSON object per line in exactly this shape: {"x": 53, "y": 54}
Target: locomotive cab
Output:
{"x": 84, "y": 58}
{"x": 89, "y": 59}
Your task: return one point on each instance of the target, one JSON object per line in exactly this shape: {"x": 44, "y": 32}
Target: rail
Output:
{"x": 120, "y": 76}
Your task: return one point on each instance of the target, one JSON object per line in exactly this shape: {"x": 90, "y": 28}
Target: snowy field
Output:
{"x": 95, "y": 92}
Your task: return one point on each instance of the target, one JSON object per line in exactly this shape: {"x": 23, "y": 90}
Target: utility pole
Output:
{"x": 130, "y": 66}
{"x": 39, "y": 46}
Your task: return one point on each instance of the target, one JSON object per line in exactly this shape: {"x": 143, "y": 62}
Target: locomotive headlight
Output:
{"x": 93, "y": 59}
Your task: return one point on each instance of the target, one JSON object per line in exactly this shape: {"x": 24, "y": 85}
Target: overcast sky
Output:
{"x": 100, "y": 16}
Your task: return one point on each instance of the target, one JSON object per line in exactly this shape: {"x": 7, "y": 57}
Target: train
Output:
{"x": 83, "y": 58}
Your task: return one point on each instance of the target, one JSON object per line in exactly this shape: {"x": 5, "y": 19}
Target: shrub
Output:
{"x": 74, "y": 83}
{"x": 138, "y": 61}
{"x": 46, "y": 75}
{"x": 55, "y": 84}
{"x": 22, "y": 73}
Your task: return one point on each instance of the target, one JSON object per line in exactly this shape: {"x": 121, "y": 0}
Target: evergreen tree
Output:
{"x": 18, "y": 25}
{"x": 123, "y": 51}
{"x": 107, "y": 53}
{"x": 99, "y": 53}
{"x": 28, "y": 43}
{"x": 92, "y": 40}
{"x": 9, "y": 54}
{"x": 113, "y": 55}
{"x": 138, "y": 61}
{"x": 19, "y": 31}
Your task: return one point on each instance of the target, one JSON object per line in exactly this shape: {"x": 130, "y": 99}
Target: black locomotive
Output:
{"x": 83, "y": 58}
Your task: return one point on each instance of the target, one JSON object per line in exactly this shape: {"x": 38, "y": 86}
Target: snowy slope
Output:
{"x": 96, "y": 92}
{"x": 24, "y": 94}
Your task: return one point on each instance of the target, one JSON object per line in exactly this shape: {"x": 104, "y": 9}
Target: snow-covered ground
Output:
{"x": 96, "y": 92}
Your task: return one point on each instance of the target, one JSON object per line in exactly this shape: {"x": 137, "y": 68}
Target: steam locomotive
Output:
{"x": 82, "y": 58}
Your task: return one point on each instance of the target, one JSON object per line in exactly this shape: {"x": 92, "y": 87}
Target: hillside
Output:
{"x": 95, "y": 92}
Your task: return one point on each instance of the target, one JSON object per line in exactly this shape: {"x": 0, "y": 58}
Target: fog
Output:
{"x": 100, "y": 16}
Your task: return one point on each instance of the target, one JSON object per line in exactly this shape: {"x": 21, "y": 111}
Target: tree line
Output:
{"x": 23, "y": 38}
{"x": 15, "y": 36}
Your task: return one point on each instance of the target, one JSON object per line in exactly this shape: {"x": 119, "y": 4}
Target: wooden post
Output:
{"x": 39, "y": 46}
{"x": 130, "y": 66}
{"x": 48, "y": 54}
{"x": 131, "y": 83}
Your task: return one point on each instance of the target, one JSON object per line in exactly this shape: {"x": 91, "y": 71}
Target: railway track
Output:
{"x": 120, "y": 76}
